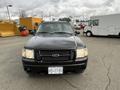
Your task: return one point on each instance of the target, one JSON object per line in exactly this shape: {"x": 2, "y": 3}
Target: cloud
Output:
{"x": 109, "y": 2}
{"x": 65, "y": 7}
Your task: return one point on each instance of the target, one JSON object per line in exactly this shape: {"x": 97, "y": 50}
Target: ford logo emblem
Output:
{"x": 55, "y": 55}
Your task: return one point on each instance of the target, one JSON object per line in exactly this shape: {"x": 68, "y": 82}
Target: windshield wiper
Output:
{"x": 63, "y": 33}
{"x": 42, "y": 32}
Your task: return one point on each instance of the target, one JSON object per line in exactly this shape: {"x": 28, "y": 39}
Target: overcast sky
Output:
{"x": 63, "y": 7}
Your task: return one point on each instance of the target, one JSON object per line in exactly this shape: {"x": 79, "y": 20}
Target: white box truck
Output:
{"x": 103, "y": 25}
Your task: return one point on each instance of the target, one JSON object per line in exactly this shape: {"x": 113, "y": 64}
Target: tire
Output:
{"x": 27, "y": 70}
{"x": 79, "y": 71}
{"x": 88, "y": 34}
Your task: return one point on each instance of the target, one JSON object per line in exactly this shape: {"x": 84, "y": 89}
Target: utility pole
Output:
{"x": 8, "y": 11}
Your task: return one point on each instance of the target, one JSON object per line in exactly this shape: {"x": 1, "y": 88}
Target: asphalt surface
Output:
{"x": 102, "y": 73}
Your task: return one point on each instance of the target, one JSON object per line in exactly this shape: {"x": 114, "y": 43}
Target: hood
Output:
{"x": 52, "y": 42}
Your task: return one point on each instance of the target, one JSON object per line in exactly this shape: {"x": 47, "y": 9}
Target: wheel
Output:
{"x": 88, "y": 34}
{"x": 79, "y": 71}
{"x": 27, "y": 70}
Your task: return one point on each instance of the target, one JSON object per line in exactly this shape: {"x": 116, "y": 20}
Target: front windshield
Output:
{"x": 55, "y": 28}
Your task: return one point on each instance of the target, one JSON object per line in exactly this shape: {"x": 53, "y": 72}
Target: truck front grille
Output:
{"x": 54, "y": 55}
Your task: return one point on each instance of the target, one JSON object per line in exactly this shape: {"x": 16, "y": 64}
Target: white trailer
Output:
{"x": 103, "y": 25}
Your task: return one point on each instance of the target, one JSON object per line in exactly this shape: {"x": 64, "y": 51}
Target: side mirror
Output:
{"x": 33, "y": 32}
{"x": 77, "y": 32}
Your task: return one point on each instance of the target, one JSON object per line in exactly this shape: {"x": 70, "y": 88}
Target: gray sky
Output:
{"x": 63, "y": 7}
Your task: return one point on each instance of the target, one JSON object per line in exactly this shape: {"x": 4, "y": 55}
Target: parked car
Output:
{"x": 55, "y": 49}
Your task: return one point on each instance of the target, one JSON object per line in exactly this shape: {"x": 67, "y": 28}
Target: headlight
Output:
{"x": 80, "y": 53}
{"x": 28, "y": 53}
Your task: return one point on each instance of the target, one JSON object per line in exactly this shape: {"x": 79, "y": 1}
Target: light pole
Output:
{"x": 8, "y": 11}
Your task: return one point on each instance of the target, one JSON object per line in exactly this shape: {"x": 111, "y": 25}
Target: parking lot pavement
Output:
{"x": 102, "y": 72}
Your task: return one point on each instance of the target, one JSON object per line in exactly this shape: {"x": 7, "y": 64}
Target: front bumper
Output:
{"x": 68, "y": 66}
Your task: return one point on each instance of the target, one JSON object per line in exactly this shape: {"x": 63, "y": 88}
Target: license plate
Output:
{"x": 55, "y": 70}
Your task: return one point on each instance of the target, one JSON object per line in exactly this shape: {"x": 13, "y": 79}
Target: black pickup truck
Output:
{"x": 55, "y": 49}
